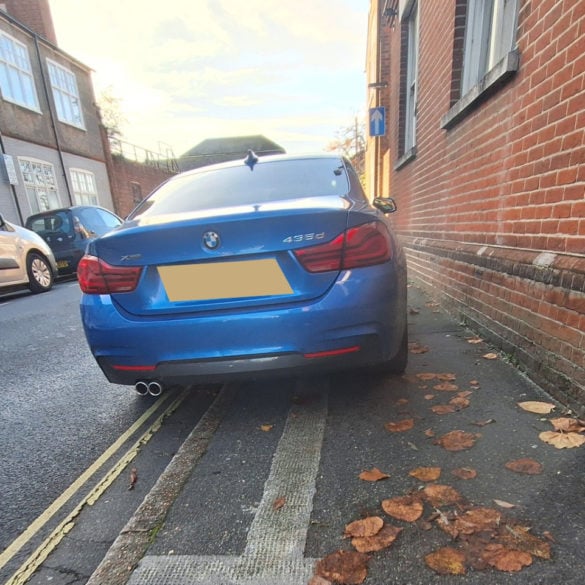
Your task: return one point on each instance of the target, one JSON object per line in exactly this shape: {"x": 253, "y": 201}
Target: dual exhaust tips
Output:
{"x": 153, "y": 388}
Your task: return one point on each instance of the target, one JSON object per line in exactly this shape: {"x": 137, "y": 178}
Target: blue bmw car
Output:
{"x": 264, "y": 266}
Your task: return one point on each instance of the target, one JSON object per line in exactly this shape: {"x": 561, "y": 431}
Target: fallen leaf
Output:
{"x": 426, "y": 473}
{"x": 490, "y": 356}
{"x": 413, "y": 311}
{"x": 446, "y": 377}
{"x": 426, "y": 376}
{"x": 401, "y": 402}
{"x": 278, "y": 503}
{"x": 430, "y": 433}
{"x": 441, "y": 495}
{"x": 483, "y": 423}
{"x": 446, "y": 561}
{"x": 429, "y": 396}
{"x": 373, "y": 474}
{"x": 362, "y": 528}
{"x": 520, "y": 538}
{"x": 400, "y": 426}
{"x": 504, "y": 504}
{"x": 459, "y": 402}
{"x": 464, "y": 473}
{"x": 405, "y": 508}
{"x": 526, "y": 465}
{"x": 344, "y": 566}
{"x": 474, "y": 383}
{"x": 266, "y": 428}
{"x": 457, "y": 441}
{"x": 567, "y": 425}
{"x": 443, "y": 409}
{"x": 504, "y": 559}
{"x": 562, "y": 440}
{"x": 474, "y": 340}
{"x": 380, "y": 541}
{"x": 417, "y": 348}
{"x": 471, "y": 522}
{"x": 133, "y": 478}
{"x": 446, "y": 387}
{"x": 537, "y": 407}
{"x": 316, "y": 580}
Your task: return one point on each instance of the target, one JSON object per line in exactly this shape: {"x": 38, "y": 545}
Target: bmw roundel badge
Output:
{"x": 211, "y": 240}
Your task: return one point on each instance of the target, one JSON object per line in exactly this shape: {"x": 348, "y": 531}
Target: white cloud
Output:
{"x": 186, "y": 70}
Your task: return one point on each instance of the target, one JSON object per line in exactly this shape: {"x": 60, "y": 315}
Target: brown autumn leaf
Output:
{"x": 474, "y": 340}
{"x": 474, "y": 383}
{"x": 133, "y": 478}
{"x": 380, "y": 541}
{"x": 278, "y": 503}
{"x": 316, "y": 580}
{"x": 459, "y": 402}
{"x": 471, "y": 522}
{"x": 400, "y": 426}
{"x": 441, "y": 495}
{"x": 457, "y": 441}
{"x": 446, "y": 377}
{"x": 536, "y": 407}
{"x": 373, "y": 474}
{"x": 567, "y": 425}
{"x": 446, "y": 561}
{"x": 426, "y": 473}
{"x": 465, "y": 473}
{"x": 429, "y": 396}
{"x": 505, "y": 559}
{"x": 413, "y": 311}
{"x": 417, "y": 348}
{"x": 401, "y": 402}
{"x": 490, "y": 356}
{"x": 446, "y": 387}
{"x": 443, "y": 409}
{"x": 344, "y": 566}
{"x": 562, "y": 440}
{"x": 426, "y": 376}
{"x": 525, "y": 465}
{"x": 405, "y": 508}
{"x": 429, "y": 433}
{"x": 266, "y": 428}
{"x": 483, "y": 423}
{"x": 520, "y": 538}
{"x": 361, "y": 528}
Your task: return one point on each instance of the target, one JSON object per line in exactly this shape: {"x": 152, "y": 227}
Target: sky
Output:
{"x": 187, "y": 70}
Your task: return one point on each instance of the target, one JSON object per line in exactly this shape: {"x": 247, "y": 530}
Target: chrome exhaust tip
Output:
{"x": 155, "y": 388}
{"x": 141, "y": 388}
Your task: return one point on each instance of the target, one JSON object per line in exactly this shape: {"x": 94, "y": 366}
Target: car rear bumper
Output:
{"x": 360, "y": 321}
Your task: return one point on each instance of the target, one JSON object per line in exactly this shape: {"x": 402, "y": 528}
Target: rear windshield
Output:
{"x": 234, "y": 186}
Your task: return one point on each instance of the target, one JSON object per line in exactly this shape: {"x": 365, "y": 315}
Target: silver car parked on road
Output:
{"x": 25, "y": 259}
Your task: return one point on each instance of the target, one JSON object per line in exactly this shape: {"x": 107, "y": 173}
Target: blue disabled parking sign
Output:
{"x": 377, "y": 121}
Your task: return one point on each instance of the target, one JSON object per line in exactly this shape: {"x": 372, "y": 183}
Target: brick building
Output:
{"x": 485, "y": 155}
{"x": 54, "y": 151}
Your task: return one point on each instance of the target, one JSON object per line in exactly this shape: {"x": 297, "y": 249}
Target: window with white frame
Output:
{"x": 84, "y": 187}
{"x": 490, "y": 34}
{"x": 16, "y": 79}
{"x": 40, "y": 184}
{"x": 411, "y": 78}
{"x": 65, "y": 94}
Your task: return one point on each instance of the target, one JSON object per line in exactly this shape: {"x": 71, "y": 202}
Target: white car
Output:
{"x": 25, "y": 259}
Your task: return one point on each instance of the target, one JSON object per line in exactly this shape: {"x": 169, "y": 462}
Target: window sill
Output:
{"x": 409, "y": 155}
{"x": 488, "y": 85}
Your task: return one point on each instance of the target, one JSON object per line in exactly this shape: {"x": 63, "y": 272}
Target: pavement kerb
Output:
{"x": 138, "y": 534}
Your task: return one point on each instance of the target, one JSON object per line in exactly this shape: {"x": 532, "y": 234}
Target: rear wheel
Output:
{"x": 40, "y": 275}
{"x": 398, "y": 363}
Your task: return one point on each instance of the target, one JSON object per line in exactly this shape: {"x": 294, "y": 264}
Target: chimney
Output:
{"x": 34, "y": 14}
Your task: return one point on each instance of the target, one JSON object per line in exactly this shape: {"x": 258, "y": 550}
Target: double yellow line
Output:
{"x": 35, "y": 560}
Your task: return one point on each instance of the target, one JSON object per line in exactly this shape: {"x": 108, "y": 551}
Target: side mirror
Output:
{"x": 385, "y": 204}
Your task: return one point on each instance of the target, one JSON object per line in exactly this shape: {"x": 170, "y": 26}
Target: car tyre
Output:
{"x": 40, "y": 274}
{"x": 397, "y": 364}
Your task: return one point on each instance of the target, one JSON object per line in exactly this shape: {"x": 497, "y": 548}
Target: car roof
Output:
{"x": 65, "y": 209}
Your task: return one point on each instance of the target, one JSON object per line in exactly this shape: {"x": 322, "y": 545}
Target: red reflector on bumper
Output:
{"x": 134, "y": 368}
{"x": 332, "y": 352}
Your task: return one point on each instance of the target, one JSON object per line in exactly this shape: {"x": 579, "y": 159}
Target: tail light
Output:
{"x": 97, "y": 277}
{"x": 364, "y": 245}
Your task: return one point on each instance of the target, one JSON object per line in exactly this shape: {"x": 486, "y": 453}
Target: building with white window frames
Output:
{"x": 51, "y": 141}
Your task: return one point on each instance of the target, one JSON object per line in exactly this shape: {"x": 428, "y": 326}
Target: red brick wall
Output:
{"x": 492, "y": 209}
{"x": 132, "y": 181}
{"x": 35, "y": 14}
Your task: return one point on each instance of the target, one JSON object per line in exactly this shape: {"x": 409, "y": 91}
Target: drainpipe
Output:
{"x": 53, "y": 123}
{"x": 12, "y": 187}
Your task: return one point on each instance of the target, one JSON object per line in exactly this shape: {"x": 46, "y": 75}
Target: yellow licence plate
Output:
{"x": 62, "y": 264}
{"x": 224, "y": 280}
